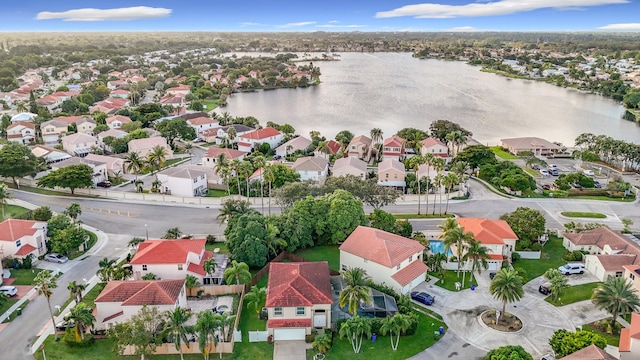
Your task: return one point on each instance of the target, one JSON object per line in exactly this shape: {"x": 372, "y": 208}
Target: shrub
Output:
{"x": 564, "y": 342}
{"x": 70, "y": 338}
{"x": 523, "y": 244}
{"x": 27, "y": 262}
{"x": 575, "y": 255}
{"x": 508, "y": 352}
{"x": 515, "y": 257}
{"x": 536, "y": 246}
{"x": 42, "y": 213}
{"x": 211, "y": 239}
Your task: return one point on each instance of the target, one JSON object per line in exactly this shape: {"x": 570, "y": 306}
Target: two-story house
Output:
{"x": 435, "y": 147}
{"x": 293, "y": 145}
{"x": 86, "y": 125}
{"x": 220, "y": 135}
{"x": 22, "y": 132}
{"x": 114, "y": 165}
{"x": 298, "y": 299}
{"x": 116, "y": 121}
{"x": 359, "y": 147}
{"x": 350, "y": 165}
{"x": 143, "y": 147}
{"x": 268, "y": 135}
{"x": 213, "y": 153}
{"x": 311, "y": 168}
{"x": 387, "y": 258}
{"x": 391, "y": 172}
{"x": 20, "y": 238}
{"x": 393, "y": 148}
{"x": 201, "y": 124}
{"x": 53, "y": 130}
{"x": 496, "y": 235}
{"x": 78, "y": 144}
{"x": 183, "y": 181}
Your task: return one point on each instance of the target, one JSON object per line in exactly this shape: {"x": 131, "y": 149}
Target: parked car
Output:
{"x": 554, "y": 172}
{"x": 104, "y": 184}
{"x": 553, "y": 166}
{"x": 423, "y": 297}
{"x": 597, "y": 184}
{"x": 56, "y": 258}
{"x": 492, "y": 275}
{"x": 545, "y": 289}
{"x": 9, "y": 290}
{"x": 589, "y": 172}
{"x": 544, "y": 172}
{"x": 569, "y": 269}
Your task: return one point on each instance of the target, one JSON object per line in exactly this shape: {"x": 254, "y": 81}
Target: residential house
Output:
{"x": 109, "y": 106}
{"x": 175, "y": 100}
{"x": 391, "y": 172}
{"x": 114, "y": 165}
{"x": 120, "y": 300}
{"x": 214, "y": 181}
{"x": 86, "y": 125}
{"x": 536, "y": 145}
{"x": 78, "y": 144}
{"x": 201, "y": 124}
{"x": 53, "y": 130}
{"x": 24, "y": 116}
{"x": 609, "y": 251}
{"x": 21, "y": 238}
{"x": 21, "y": 132}
{"x": 297, "y": 143}
{"x": 173, "y": 259}
{"x": 50, "y": 155}
{"x": 495, "y": 235}
{"x": 331, "y": 148}
{"x": 220, "y": 135}
{"x": 268, "y": 135}
{"x": 435, "y": 147}
{"x": 393, "y": 148}
{"x": 144, "y": 146}
{"x": 116, "y": 84}
{"x": 592, "y": 352}
{"x": 99, "y": 168}
{"x": 350, "y": 165}
{"x": 116, "y": 121}
{"x": 629, "y": 346}
{"x": 70, "y": 119}
{"x": 115, "y": 133}
{"x": 210, "y": 158}
{"x": 388, "y": 259}
{"x": 180, "y": 89}
{"x": 311, "y": 168}
{"x": 359, "y": 147}
{"x": 298, "y": 299}
{"x": 52, "y": 103}
{"x": 183, "y": 181}
{"x": 119, "y": 93}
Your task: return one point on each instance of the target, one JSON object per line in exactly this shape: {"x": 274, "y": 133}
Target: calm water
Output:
{"x": 392, "y": 91}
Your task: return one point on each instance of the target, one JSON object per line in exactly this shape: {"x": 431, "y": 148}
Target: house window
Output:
{"x": 632, "y": 277}
{"x": 144, "y": 267}
{"x": 179, "y": 266}
{"x": 410, "y": 258}
{"x": 353, "y": 147}
{"x": 277, "y": 311}
{"x": 300, "y": 310}
{"x": 618, "y": 273}
{"x": 18, "y": 243}
{"x": 395, "y": 176}
{"x": 386, "y": 176}
{"x": 398, "y": 267}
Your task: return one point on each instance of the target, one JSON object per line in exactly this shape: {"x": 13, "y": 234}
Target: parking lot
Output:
{"x": 567, "y": 166}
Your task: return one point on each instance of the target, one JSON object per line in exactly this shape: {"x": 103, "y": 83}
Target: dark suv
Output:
{"x": 544, "y": 289}
{"x": 423, "y": 297}
{"x": 104, "y": 184}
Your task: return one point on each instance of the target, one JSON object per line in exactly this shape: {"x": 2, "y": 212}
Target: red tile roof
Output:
{"x": 121, "y": 118}
{"x": 25, "y": 250}
{"x": 69, "y": 119}
{"x": 229, "y": 154}
{"x": 298, "y": 284}
{"x": 113, "y": 316}
{"x": 261, "y": 134}
{"x": 292, "y": 323}
{"x": 362, "y": 139}
{"x": 26, "y": 124}
{"x": 199, "y": 268}
{"x": 591, "y": 352}
{"x": 201, "y": 121}
{"x": 599, "y": 237}
{"x": 429, "y": 142}
{"x": 12, "y": 229}
{"x": 167, "y": 251}
{"x": 632, "y": 332}
{"x": 380, "y": 246}
{"x": 488, "y": 231}
{"x": 409, "y": 273}
{"x": 143, "y": 292}
{"x": 496, "y": 257}
{"x": 333, "y": 146}
{"x": 394, "y": 141}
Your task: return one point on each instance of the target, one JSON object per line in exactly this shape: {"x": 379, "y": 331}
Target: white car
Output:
{"x": 9, "y": 290}
{"x": 571, "y": 269}
{"x": 544, "y": 172}
{"x": 56, "y": 258}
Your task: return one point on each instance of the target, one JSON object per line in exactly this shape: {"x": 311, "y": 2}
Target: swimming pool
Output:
{"x": 437, "y": 247}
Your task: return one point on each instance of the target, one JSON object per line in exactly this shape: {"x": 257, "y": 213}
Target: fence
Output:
{"x": 188, "y": 348}
{"x": 529, "y": 254}
{"x": 222, "y": 289}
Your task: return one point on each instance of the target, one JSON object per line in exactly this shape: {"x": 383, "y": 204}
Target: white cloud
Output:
{"x": 493, "y": 8}
{"x": 340, "y": 26}
{"x": 90, "y": 14}
{"x": 296, "y": 24}
{"x": 621, "y": 27}
{"x": 251, "y": 24}
{"x": 463, "y": 29}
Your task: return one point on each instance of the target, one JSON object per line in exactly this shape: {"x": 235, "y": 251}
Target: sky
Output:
{"x": 320, "y": 15}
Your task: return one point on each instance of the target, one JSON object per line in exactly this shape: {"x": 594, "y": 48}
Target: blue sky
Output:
{"x": 321, "y": 15}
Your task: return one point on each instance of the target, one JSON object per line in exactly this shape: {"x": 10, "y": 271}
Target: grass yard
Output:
{"x": 531, "y": 172}
{"x": 216, "y": 193}
{"x": 14, "y": 314}
{"x": 7, "y": 304}
{"x": 501, "y": 153}
{"x": 328, "y": 253}
{"x": 13, "y": 211}
{"x": 450, "y": 279}
{"x": 551, "y": 257}
{"x": 210, "y": 104}
{"x": 24, "y": 276}
{"x": 220, "y": 245}
{"x": 579, "y": 214}
{"x": 421, "y": 216}
{"x": 613, "y": 340}
{"x": 604, "y": 198}
{"x": 575, "y": 293}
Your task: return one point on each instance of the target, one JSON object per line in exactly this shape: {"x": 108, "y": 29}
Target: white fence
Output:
{"x": 529, "y": 254}
{"x": 258, "y": 336}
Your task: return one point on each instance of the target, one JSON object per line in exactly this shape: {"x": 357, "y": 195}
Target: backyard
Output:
{"x": 329, "y": 253}
{"x": 575, "y": 293}
{"x": 551, "y": 258}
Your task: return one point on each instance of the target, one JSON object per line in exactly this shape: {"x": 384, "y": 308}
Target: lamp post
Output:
{"x": 146, "y": 230}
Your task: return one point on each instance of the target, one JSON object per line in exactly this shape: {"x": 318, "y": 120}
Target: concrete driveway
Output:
{"x": 290, "y": 350}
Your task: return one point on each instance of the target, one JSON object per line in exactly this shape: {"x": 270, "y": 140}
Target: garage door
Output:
{"x": 288, "y": 334}
{"x": 492, "y": 265}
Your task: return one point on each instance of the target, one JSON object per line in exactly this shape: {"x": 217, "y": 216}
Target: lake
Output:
{"x": 393, "y": 90}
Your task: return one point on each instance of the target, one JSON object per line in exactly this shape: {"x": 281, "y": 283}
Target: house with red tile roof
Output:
{"x": 119, "y": 93}
{"x": 630, "y": 339}
{"x": 387, "y": 258}
{"x": 268, "y": 135}
{"x": 176, "y": 100}
{"x": 435, "y": 147}
{"x": 171, "y": 259}
{"x": 116, "y": 121}
{"x": 496, "y": 235}
{"x": 298, "y": 299}
{"x": 109, "y": 106}
{"x": 333, "y": 147}
{"x": 210, "y": 158}
{"x": 359, "y": 147}
{"x": 120, "y": 300}
{"x": 393, "y": 148}
{"x": 19, "y": 238}
{"x": 202, "y": 123}
{"x": 22, "y": 132}
{"x": 180, "y": 89}
{"x": 391, "y": 172}
{"x": 592, "y": 352}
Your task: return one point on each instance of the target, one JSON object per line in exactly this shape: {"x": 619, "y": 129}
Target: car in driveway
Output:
{"x": 56, "y": 258}
{"x": 9, "y": 290}
{"x": 423, "y": 297}
{"x": 570, "y": 268}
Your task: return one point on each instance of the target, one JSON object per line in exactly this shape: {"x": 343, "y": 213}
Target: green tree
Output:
{"x": 506, "y": 286}
{"x": 256, "y": 298}
{"x": 617, "y": 297}
{"x": 105, "y": 271}
{"x": 73, "y": 211}
{"x": 142, "y": 332}
{"x": 345, "y": 215}
{"x": 355, "y": 329}
{"x": 475, "y": 156}
{"x": 157, "y": 157}
{"x": 396, "y": 324}
{"x": 175, "y": 327}
{"x": 135, "y": 242}
{"x": 414, "y": 163}
{"x": 509, "y": 352}
{"x": 558, "y": 282}
{"x": 72, "y": 177}
{"x": 75, "y": 290}
{"x": 355, "y": 291}
{"x": 439, "y": 129}
{"x": 246, "y": 239}
{"x": 5, "y": 194}
{"x": 44, "y": 283}
{"x": 478, "y": 255}
{"x": 175, "y": 129}
{"x": 460, "y": 239}
{"x": 207, "y": 325}
{"x": 191, "y": 283}
{"x": 564, "y": 342}
{"x": 237, "y": 271}
{"x": 344, "y": 137}
{"x": 133, "y": 163}
{"x": 43, "y": 213}
{"x": 82, "y": 316}
{"x": 68, "y": 239}
{"x": 172, "y": 233}
{"x": 382, "y": 220}
{"x": 527, "y": 224}
{"x": 16, "y": 160}
{"x": 209, "y": 266}
{"x": 322, "y": 342}
{"x": 233, "y": 207}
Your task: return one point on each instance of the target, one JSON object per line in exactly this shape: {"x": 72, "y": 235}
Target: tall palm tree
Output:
{"x": 459, "y": 238}
{"x": 21, "y": 107}
{"x": 44, "y": 283}
{"x": 157, "y": 157}
{"x": 226, "y": 321}
{"x": 82, "y": 316}
{"x": 449, "y": 180}
{"x": 209, "y": 266}
{"x": 191, "y": 282}
{"x": 231, "y": 135}
{"x": 271, "y": 239}
{"x": 235, "y": 165}
{"x": 396, "y": 324}
{"x": 245, "y": 170}
{"x": 617, "y": 297}
{"x": 105, "y": 272}
{"x": 414, "y": 163}
{"x": 376, "y": 137}
{"x": 558, "y": 282}
{"x": 435, "y": 264}
{"x": 438, "y": 166}
{"x": 207, "y": 325}
{"x": 222, "y": 169}
{"x": 75, "y": 290}
{"x": 460, "y": 168}
{"x": 269, "y": 176}
{"x": 135, "y": 242}
{"x": 478, "y": 254}
{"x": 259, "y": 162}
{"x": 256, "y": 298}
{"x": 73, "y": 211}
{"x": 5, "y": 194}
{"x": 175, "y": 327}
{"x": 355, "y": 329}
{"x": 429, "y": 160}
{"x": 355, "y": 290}
{"x": 446, "y": 226}
{"x": 238, "y": 271}
{"x": 134, "y": 164}
{"x": 507, "y": 286}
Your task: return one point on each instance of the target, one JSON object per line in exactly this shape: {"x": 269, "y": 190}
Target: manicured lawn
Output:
{"x": 604, "y": 198}
{"x": 502, "y": 154}
{"x": 531, "y": 172}
{"x": 220, "y": 245}
{"x": 210, "y": 104}
{"x": 551, "y": 257}
{"x": 12, "y": 211}
{"x": 575, "y": 293}
{"x": 216, "y": 193}
{"x": 613, "y": 340}
{"x": 584, "y": 214}
{"x": 7, "y": 304}
{"x": 450, "y": 279}
{"x": 422, "y": 216}
{"x": 14, "y": 314}
{"x": 249, "y": 321}
{"x": 328, "y": 253}
{"x": 24, "y": 276}
{"x": 93, "y": 238}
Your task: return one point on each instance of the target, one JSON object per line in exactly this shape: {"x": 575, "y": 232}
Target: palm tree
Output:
{"x": 259, "y": 162}
{"x": 231, "y": 208}
{"x": 209, "y": 266}
{"x": 617, "y": 297}
{"x": 238, "y": 271}
{"x": 231, "y": 135}
{"x": 355, "y": 290}
{"x": 138, "y": 184}
{"x": 394, "y": 324}
{"x": 73, "y": 211}
{"x": 206, "y": 326}
{"x": 245, "y": 170}
{"x": 429, "y": 160}
{"x": 75, "y": 290}
{"x": 460, "y": 168}
{"x": 438, "y": 166}
{"x": 376, "y": 137}
{"x": 235, "y": 165}
{"x": 458, "y": 238}
{"x": 269, "y": 176}
{"x": 507, "y": 286}
{"x": 558, "y": 282}
{"x": 354, "y": 329}
{"x": 222, "y": 169}
{"x": 105, "y": 273}
{"x": 414, "y": 163}
{"x": 172, "y": 233}
{"x": 82, "y": 316}
{"x": 21, "y": 107}
{"x": 121, "y": 273}
{"x": 446, "y": 226}
{"x": 175, "y": 327}
{"x": 438, "y": 182}
{"x": 44, "y": 283}
{"x": 449, "y": 180}
{"x": 157, "y": 157}
{"x": 322, "y": 342}
{"x": 135, "y": 242}
{"x": 134, "y": 164}
{"x": 256, "y": 298}
{"x": 271, "y": 239}
{"x": 191, "y": 282}
{"x": 435, "y": 264}
{"x": 478, "y": 254}
{"x": 5, "y": 194}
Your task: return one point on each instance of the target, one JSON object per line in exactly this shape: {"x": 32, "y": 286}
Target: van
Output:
{"x": 9, "y": 290}
{"x": 569, "y": 269}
